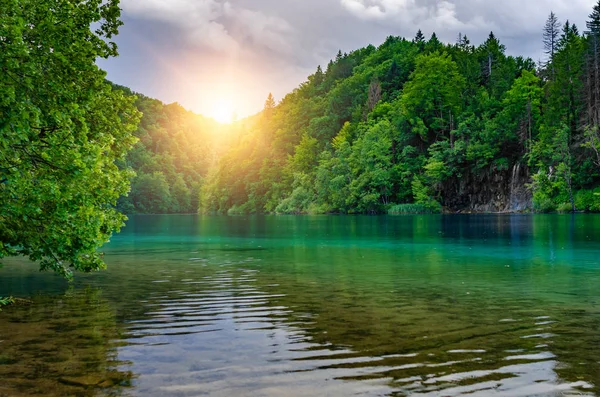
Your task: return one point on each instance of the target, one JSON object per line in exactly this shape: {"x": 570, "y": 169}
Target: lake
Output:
{"x": 477, "y": 305}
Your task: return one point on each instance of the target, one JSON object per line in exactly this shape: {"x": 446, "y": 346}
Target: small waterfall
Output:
{"x": 514, "y": 180}
{"x": 519, "y": 198}
{"x": 515, "y": 176}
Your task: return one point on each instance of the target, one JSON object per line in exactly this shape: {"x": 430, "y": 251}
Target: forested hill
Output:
{"x": 175, "y": 150}
{"x": 414, "y": 125}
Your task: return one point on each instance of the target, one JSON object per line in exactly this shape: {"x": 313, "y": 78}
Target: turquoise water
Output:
{"x": 477, "y": 305}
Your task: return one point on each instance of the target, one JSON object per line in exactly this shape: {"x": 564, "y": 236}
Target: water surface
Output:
{"x": 481, "y": 305}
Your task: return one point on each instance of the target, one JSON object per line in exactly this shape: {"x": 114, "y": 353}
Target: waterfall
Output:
{"x": 514, "y": 180}
{"x": 519, "y": 198}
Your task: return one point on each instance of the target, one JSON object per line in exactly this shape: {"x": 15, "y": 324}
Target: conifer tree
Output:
{"x": 593, "y": 68}
{"x": 434, "y": 44}
{"x": 319, "y": 76}
{"x": 551, "y": 34}
{"x": 463, "y": 42}
{"x": 269, "y": 105}
{"x": 419, "y": 38}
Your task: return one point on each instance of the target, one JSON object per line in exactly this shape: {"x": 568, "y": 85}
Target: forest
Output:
{"x": 174, "y": 151}
{"x": 417, "y": 126}
{"x": 173, "y": 155}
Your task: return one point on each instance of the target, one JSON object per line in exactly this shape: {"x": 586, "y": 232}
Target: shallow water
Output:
{"x": 481, "y": 305}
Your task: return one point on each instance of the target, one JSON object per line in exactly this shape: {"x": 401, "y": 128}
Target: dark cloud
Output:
{"x": 194, "y": 51}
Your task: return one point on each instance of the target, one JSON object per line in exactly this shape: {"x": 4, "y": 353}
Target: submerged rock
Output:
{"x": 82, "y": 381}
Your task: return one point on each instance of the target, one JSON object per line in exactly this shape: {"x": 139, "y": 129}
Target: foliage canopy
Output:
{"x": 62, "y": 127}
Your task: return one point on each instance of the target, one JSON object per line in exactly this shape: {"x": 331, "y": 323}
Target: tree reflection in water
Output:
{"x": 61, "y": 346}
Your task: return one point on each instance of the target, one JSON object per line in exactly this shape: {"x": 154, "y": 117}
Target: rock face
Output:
{"x": 489, "y": 190}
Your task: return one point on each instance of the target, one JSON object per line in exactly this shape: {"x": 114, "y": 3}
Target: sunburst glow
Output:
{"x": 223, "y": 111}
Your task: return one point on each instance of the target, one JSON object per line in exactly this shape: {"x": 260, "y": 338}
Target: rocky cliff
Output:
{"x": 491, "y": 190}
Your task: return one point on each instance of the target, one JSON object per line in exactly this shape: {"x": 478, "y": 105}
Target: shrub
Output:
{"x": 406, "y": 209}
{"x": 565, "y": 208}
{"x": 297, "y": 203}
{"x": 236, "y": 210}
{"x": 423, "y": 197}
{"x": 588, "y": 200}
{"x": 543, "y": 203}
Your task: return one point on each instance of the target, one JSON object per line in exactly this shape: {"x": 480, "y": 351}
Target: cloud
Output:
{"x": 440, "y": 13}
{"x": 449, "y": 17}
{"x": 187, "y": 50}
{"x": 218, "y": 26}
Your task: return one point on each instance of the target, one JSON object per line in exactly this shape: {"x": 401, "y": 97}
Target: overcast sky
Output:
{"x": 202, "y": 52}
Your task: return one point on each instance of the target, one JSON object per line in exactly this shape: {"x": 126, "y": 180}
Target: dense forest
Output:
{"x": 419, "y": 126}
{"x": 174, "y": 152}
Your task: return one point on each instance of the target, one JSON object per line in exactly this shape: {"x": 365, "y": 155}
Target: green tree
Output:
{"x": 493, "y": 62}
{"x": 318, "y": 77}
{"x": 434, "y": 44}
{"x": 181, "y": 196}
{"x": 522, "y": 109}
{"x": 270, "y": 103}
{"x": 334, "y": 177}
{"x": 62, "y": 127}
{"x": 151, "y": 193}
{"x": 592, "y": 75}
{"x": 419, "y": 40}
{"x": 563, "y": 92}
{"x": 552, "y": 185}
{"x": 431, "y": 100}
{"x": 371, "y": 165}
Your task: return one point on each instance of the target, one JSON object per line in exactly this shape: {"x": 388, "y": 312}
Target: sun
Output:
{"x": 223, "y": 111}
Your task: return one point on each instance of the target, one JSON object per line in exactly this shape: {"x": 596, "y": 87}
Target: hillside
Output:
{"x": 418, "y": 125}
{"x": 174, "y": 152}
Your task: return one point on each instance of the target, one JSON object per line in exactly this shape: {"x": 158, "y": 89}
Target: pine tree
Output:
{"x": 568, "y": 63}
{"x": 319, "y": 76}
{"x": 269, "y": 106}
{"x": 463, "y": 42}
{"x": 329, "y": 69}
{"x": 491, "y": 53}
{"x": 270, "y": 102}
{"x": 593, "y": 69}
{"x": 550, "y": 38}
{"x": 434, "y": 44}
{"x": 419, "y": 38}
{"x": 593, "y": 24}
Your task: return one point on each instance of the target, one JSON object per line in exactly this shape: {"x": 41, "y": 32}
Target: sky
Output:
{"x": 219, "y": 57}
